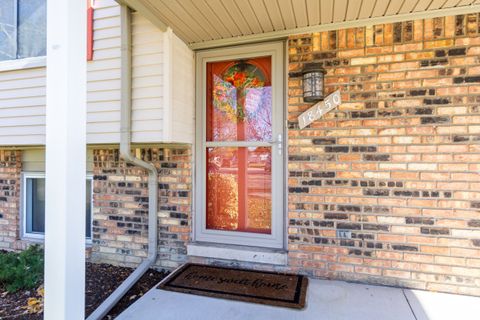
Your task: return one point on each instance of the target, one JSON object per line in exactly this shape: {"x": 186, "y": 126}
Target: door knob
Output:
{"x": 279, "y": 143}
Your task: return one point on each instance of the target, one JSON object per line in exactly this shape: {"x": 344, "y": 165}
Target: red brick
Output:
{"x": 397, "y": 274}
{"x": 450, "y": 261}
{"x": 368, "y": 270}
{"x": 420, "y": 124}
{"x": 422, "y": 258}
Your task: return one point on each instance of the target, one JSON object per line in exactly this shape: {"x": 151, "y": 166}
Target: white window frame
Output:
{"x": 275, "y": 240}
{"x": 39, "y": 237}
{"x": 25, "y": 63}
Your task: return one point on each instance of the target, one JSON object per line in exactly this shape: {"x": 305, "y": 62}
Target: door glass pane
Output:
{"x": 35, "y": 205}
{"x": 8, "y": 30}
{"x": 32, "y": 27}
{"x": 239, "y": 189}
{"x": 239, "y": 100}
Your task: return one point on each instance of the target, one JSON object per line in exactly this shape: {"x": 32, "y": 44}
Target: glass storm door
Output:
{"x": 239, "y": 156}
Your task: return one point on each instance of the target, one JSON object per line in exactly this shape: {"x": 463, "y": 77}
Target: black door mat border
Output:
{"x": 296, "y": 302}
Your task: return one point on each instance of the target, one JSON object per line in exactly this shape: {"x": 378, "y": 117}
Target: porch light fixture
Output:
{"x": 313, "y": 77}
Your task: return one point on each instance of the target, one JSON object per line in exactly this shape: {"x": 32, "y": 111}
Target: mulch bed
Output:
{"x": 101, "y": 280}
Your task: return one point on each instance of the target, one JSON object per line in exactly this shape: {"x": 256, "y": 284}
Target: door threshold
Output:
{"x": 238, "y": 253}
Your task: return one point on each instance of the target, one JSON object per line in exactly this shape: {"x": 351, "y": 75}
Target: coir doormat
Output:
{"x": 276, "y": 289}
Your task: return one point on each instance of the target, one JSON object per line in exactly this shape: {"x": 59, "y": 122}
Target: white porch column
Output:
{"x": 65, "y": 160}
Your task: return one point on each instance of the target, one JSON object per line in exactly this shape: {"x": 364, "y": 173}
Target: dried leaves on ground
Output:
{"x": 101, "y": 280}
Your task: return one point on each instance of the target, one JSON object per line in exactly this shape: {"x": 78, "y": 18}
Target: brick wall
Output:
{"x": 397, "y": 163}
{"x": 10, "y": 173}
{"x": 121, "y": 206}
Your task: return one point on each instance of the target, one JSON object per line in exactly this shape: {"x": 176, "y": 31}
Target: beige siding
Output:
{"x": 103, "y": 86}
{"x": 22, "y": 107}
{"x": 160, "y": 101}
{"x": 22, "y": 92}
{"x": 147, "y": 83}
{"x": 183, "y": 122}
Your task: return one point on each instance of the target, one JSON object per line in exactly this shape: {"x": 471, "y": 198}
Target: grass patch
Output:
{"x": 21, "y": 270}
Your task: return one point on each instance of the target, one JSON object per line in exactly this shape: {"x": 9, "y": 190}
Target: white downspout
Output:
{"x": 125, "y": 153}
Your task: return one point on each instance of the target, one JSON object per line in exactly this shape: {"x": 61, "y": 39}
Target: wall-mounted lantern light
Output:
{"x": 313, "y": 76}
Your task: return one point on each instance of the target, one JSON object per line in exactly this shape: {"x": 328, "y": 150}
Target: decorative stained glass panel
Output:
{"x": 239, "y": 98}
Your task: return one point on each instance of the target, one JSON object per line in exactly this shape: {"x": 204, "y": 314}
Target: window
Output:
{"x": 22, "y": 29}
{"x": 34, "y": 205}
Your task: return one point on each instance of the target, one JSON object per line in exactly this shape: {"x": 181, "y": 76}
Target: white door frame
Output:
{"x": 277, "y": 238}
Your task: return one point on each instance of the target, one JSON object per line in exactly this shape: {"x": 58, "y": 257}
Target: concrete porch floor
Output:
{"x": 332, "y": 300}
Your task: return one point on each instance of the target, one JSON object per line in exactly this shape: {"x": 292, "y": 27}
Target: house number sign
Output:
{"x": 319, "y": 109}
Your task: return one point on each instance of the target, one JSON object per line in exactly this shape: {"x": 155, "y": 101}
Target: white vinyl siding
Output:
{"x": 154, "y": 120}
{"x": 22, "y": 107}
{"x": 147, "y": 80}
{"x": 103, "y": 75}
{"x": 183, "y": 122}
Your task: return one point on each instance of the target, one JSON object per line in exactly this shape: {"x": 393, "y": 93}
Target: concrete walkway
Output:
{"x": 330, "y": 300}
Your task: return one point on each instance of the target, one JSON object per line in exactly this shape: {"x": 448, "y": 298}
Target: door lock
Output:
{"x": 279, "y": 143}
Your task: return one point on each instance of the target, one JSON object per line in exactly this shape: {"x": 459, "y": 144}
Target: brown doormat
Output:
{"x": 276, "y": 289}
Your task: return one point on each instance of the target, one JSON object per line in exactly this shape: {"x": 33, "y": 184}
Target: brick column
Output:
{"x": 121, "y": 206}
{"x": 10, "y": 175}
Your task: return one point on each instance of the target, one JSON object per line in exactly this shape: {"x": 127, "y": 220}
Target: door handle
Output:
{"x": 279, "y": 143}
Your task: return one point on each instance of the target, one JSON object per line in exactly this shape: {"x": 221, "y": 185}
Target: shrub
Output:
{"x": 21, "y": 270}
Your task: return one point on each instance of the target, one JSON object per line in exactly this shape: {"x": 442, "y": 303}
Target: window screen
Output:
{"x": 23, "y": 27}
{"x": 31, "y": 28}
{"x": 8, "y": 29}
